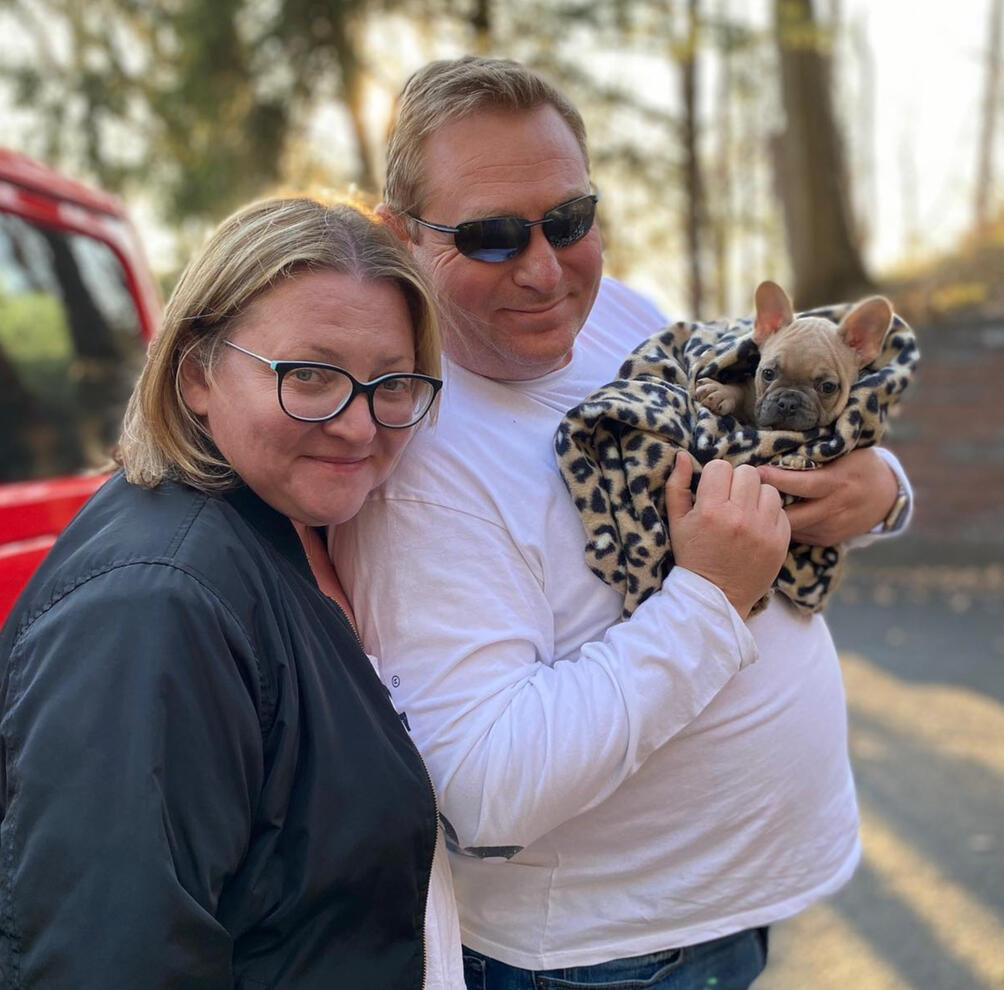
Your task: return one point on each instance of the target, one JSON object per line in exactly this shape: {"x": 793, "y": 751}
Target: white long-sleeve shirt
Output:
{"x": 615, "y": 788}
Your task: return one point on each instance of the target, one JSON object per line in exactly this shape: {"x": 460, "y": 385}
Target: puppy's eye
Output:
{"x": 768, "y": 374}
{"x": 827, "y": 388}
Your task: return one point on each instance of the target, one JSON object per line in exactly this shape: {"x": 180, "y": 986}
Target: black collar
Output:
{"x": 276, "y": 528}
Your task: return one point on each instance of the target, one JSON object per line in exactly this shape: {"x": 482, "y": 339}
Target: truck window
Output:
{"x": 70, "y": 350}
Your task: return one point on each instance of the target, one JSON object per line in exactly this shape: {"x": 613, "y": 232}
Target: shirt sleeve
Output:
{"x": 132, "y": 760}
{"x": 879, "y": 531}
{"x": 517, "y": 740}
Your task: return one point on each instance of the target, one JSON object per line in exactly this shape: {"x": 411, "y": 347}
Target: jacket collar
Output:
{"x": 276, "y": 528}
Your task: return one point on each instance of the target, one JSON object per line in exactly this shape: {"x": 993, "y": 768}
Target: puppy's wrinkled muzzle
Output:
{"x": 787, "y": 409}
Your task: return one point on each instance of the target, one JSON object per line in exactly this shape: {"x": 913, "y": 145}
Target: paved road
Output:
{"x": 922, "y": 648}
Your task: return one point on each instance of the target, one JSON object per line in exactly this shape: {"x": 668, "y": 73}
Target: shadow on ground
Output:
{"x": 919, "y": 623}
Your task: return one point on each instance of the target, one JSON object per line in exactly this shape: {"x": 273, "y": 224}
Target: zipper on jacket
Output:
{"x": 428, "y": 778}
{"x": 435, "y": 807}
{"x": 432, "y": 790}
{"x": 428, "y": 880}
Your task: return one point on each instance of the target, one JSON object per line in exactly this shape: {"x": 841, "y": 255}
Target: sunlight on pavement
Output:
{"x": 827, "y": 948}
{"x": 955, "y": 722}
{"x": 819, "y": 950}
{"x": 963, "y": 926}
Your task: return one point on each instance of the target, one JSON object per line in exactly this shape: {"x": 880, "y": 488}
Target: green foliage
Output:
{"x": 35, "y": 338}
{"x": 205, "y": 104}
{"x": 32, "y": 326}
{"x": 194, "y": 99}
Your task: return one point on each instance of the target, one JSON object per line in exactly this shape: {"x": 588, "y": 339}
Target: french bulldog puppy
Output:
{"x": 806, "y": 367}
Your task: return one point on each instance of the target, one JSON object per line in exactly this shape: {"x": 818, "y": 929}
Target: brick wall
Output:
{"x": 949, "y": 433}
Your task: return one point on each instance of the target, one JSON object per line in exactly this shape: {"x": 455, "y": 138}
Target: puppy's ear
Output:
{"x": 864, "y": 328}
{"x": 773, "y": 311}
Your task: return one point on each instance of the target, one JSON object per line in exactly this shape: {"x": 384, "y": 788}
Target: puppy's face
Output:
{"x": 804, "y": 376}
{"x": 807, "y": 366}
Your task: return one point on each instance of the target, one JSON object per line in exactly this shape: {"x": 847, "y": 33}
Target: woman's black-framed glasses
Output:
{"x": 314, "y": 393}
{"x": 497, "y": 239}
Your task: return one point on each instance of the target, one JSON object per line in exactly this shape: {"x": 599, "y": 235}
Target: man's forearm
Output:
{"x": 517, "y": 740}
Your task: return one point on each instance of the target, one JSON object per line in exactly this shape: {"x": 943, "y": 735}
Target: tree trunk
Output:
{"x": 353, "y": 85}
{"x": 984, "y": 201}
{"x": 692, "y": 166}
{"x": 809, "y": 167}
{"x": 721, "y": 215}
{"x": 481, "y": 24}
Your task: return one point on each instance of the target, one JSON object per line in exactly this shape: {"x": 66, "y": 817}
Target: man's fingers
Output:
{"x": 745, "y": 486}
{"x": 769, "y": 499}
{"x": 716, "y": 481}
{"x": 805, "y": 515}
{"x": 784, "y": 524}
{"x": 804, "y": 484}
{"x": 678, "y": 497}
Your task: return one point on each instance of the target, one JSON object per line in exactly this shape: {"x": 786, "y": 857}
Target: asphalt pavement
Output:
{"x": 919, "y": 623}
{"x": 922, "y": 650}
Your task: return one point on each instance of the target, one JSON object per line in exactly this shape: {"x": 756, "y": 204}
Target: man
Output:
{"x": 626, "y": 801}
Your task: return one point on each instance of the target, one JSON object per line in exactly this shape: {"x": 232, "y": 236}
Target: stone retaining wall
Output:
{"x": 949, "y": 433}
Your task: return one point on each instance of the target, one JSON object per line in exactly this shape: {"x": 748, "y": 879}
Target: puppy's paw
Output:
{"x": 720, "y": 399}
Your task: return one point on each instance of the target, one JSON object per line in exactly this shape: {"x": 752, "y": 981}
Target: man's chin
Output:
{"x": 533, "y": 362}
{"x": 518, "y": 351}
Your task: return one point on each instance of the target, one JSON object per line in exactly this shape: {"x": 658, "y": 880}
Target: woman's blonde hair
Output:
{"x": 447, "y": 90}
{"x": 246, "y": 255}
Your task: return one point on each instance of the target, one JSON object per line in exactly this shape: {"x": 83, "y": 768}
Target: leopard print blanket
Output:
{"x": 616, "y": 448}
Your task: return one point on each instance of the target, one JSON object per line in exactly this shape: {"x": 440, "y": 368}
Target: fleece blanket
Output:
{"x": 615, "y": 449}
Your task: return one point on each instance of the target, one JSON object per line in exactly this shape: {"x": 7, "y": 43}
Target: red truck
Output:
{"x": 78, "y": 306}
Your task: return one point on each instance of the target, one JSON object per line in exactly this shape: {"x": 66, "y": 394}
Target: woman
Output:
{"x": 204, "y": 783}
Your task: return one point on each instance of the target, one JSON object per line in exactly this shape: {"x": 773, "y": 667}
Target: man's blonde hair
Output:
{"x": 449, "y": 90}
{"x": 246, "y": 255}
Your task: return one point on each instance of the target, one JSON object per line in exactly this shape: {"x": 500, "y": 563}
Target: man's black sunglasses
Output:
{"x": 502, "y": 238}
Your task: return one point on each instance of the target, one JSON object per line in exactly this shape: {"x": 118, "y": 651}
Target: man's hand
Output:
{"x": 844, "y": 498}
{"x": 734, "y": 533}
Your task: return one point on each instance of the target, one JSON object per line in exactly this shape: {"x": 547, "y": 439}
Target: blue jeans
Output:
{"x": 729, "y": 963}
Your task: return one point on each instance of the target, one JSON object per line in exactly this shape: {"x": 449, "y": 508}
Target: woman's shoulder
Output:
{"x": 132, "y": 544}
{"x": 123, "y": 523}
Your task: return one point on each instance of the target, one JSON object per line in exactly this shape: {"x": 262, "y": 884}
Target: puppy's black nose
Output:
{"x": 788, "y": 402}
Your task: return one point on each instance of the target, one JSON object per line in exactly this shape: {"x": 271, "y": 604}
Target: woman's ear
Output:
{"x": 194, "y": 385}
